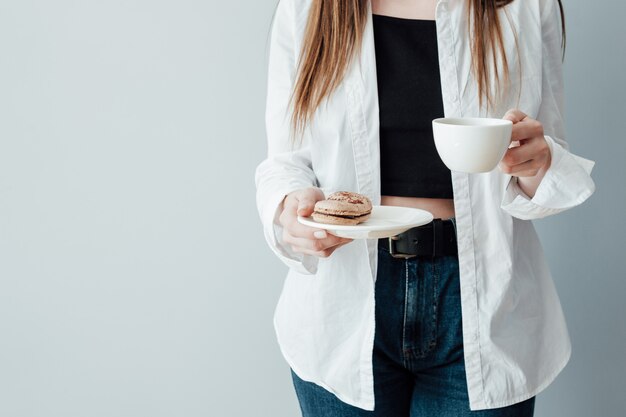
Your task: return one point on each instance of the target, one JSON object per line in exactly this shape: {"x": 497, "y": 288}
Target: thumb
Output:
{"x": 306, "y": 204}
{"x": 515, "y": 115}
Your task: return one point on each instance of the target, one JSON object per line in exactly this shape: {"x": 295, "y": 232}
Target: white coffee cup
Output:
{"x": 472, "y": 144}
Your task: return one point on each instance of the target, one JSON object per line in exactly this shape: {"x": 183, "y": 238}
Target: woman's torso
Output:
{"x": 423, "y": 10}
{"x": 325, "y": 316}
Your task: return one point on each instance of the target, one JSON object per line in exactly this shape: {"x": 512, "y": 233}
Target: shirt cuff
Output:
{"x": 566, "y": 184}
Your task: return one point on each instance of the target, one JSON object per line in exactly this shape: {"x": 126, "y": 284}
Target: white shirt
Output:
{"x": 514, "y": 333}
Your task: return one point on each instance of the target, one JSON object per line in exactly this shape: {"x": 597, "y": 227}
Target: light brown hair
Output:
{"x": 333, "y": 36}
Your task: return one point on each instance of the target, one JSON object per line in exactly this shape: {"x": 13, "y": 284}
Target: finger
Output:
{"x": 289, "y": 220}
{"x": 290, "y": 223}
{"x": 323, "y": 253}
{"x": 306, "y": 201}
{"x": 534, "y": 149}
{"x": 525, "y": 169}
{"x": 320, "y": 234}
{"x": 527, "y": 173}
{"x": 302, "y": 199}
{"x": 527, "y": 129}
{"x": 314, "y": 245}
{"x": 515, "y": 115}
{"x": 519, "y": 154}
{"x": 297, "y": 229}
{"x": 514, "y": 144}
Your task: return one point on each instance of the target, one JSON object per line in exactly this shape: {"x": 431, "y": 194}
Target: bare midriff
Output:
{"x": 441, "y": 208}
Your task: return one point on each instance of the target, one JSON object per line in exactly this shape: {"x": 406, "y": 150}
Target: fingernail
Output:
{"x": 320, "y": 234}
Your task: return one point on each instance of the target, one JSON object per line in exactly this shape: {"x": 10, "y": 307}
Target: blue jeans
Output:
{"x": 418, "y": 359}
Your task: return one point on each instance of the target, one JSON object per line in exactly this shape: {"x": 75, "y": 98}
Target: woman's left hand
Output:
{"x": 532, "y": 154}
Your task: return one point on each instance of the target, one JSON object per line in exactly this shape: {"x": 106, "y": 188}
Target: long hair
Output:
{"x": 333, "y": 36}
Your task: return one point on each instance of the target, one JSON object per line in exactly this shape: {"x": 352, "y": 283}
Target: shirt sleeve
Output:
{"x": 567, "y": 182}
{"x": 287, "y": 166}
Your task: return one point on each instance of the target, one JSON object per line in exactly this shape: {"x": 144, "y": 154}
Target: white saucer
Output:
{"x": 384, "y": 221}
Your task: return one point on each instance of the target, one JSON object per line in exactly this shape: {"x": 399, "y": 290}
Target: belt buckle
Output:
{"x": 393, "y": 252}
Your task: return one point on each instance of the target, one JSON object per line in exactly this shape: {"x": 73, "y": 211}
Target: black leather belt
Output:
{"x": 436, "y": 238}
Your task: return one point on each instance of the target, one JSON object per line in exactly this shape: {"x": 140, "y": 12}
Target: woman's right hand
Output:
{"x": 305, "y": 239}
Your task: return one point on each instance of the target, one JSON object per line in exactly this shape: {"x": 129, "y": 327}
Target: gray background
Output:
{"x": 134, "y": 278}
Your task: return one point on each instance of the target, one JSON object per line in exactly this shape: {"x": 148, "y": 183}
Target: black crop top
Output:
{"x": 409, "y": 98}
